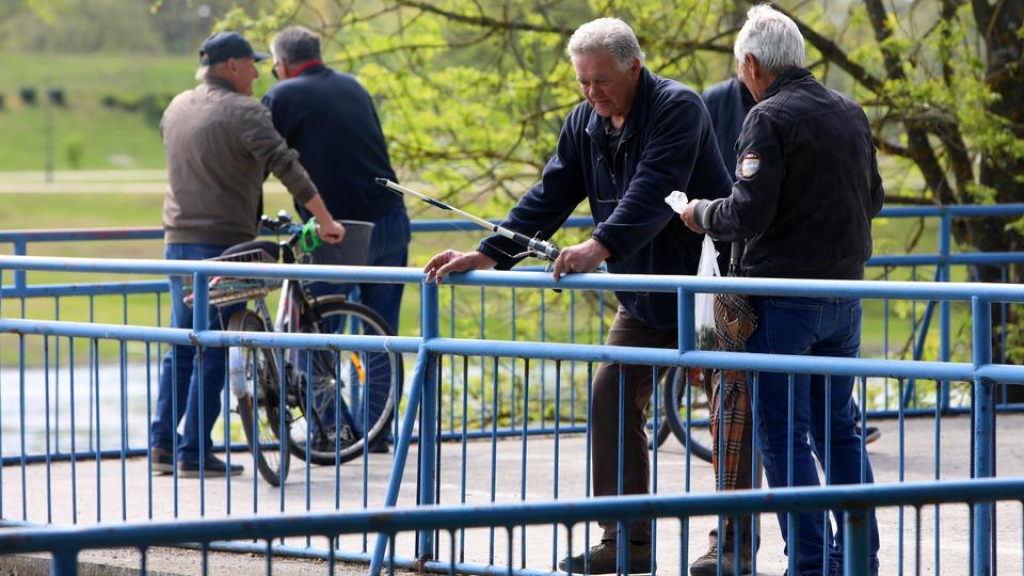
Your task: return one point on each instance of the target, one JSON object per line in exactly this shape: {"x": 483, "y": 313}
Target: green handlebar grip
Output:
{"x": 309, "y": 239}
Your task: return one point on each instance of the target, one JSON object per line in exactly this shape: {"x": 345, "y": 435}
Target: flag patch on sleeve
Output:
{"x": 750, "y": 164}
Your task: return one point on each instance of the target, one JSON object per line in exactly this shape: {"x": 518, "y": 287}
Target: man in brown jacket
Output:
{"x": 220, "y": 143}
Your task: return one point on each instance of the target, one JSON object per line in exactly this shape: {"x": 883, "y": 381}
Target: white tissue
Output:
{"x": 677, "y": 200}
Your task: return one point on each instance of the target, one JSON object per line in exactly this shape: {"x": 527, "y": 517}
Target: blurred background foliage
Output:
{"x": 472, "y": 93}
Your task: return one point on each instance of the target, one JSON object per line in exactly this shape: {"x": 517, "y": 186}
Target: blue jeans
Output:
{"x": 810, "y": 327}
{"x": 389, "y": 246}
{"x": 183, "y": 387}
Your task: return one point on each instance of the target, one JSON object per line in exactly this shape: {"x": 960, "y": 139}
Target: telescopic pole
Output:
{"x": 540, "y": 248}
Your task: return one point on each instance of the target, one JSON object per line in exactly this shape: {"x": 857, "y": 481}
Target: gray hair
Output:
{"x": 296, "y": 44}
{"x": 772, "y": 38}
{"x": 207, "y": 71}
{"x": 610, "y": 35}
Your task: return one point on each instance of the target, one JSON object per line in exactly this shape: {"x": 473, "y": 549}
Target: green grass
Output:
{"x": 105, "y": 138}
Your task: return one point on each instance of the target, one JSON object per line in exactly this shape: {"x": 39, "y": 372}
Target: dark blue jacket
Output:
{"x": 330, "y": 119}
{"x": 667, "y": 144}
{"x": 728, "y": 103}
{"x": 808, "y": 184}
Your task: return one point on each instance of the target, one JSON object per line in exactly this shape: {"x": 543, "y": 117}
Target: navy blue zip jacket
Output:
{"x": 667, "y": 144}
{"x": 728, "y": 103}
{"x": 307, "y": 111}
{"x": 808, "y": 184}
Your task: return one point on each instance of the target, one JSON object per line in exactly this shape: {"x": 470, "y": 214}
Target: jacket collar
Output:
{"x": 216, "y": 82}
{"x": 310, "y": 66}
{"x": 787, "y": 78}
{"x": 634, "y": 120}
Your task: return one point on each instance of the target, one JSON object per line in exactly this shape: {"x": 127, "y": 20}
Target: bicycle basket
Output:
{"x": 229, "y": 289}
{"x": 354, "y": 250}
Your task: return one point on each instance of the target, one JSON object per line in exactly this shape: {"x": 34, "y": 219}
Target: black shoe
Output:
{"x": 212, "y": 468}
{"x": 601, "y": 559}
{"x": 870, "y": 433}
{"x": 379, "y": 447}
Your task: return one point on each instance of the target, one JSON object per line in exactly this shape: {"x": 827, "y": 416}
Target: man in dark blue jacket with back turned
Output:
{"x": 636, "y": 138}
{"x": 330, "y": 119}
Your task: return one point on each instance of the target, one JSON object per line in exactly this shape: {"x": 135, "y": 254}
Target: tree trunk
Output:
{"x": 999, "y": 24}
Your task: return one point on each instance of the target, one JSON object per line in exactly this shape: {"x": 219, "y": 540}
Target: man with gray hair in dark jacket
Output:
{"x": 634, "y": 139}
{"x": 807, "y": 188}
{"x": 330, "y": 119}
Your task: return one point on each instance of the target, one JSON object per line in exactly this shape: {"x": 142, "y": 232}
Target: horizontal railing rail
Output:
{"x": 66, "y": 543}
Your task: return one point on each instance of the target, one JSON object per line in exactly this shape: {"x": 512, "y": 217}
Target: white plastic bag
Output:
{"x": 704, "y": 302}
{"x": 677, "y": 201}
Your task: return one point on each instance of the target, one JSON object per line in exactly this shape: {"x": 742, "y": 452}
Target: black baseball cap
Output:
{"x": 224, "y": 45}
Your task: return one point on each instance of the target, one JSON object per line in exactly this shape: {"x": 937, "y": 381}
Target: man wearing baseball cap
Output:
{"x": 220, "y": 144}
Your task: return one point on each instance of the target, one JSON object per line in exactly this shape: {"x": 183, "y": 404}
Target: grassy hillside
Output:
{"x": 86, "y": 133}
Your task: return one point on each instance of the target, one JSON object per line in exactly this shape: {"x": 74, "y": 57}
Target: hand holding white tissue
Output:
{"x": 677, "y": 200}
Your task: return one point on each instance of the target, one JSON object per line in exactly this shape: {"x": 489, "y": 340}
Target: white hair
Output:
{"x": 610, "y": 35}
{"x": 772, "y": 38}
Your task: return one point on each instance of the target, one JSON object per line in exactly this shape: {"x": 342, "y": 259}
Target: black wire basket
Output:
{"x": 353, "y": 250}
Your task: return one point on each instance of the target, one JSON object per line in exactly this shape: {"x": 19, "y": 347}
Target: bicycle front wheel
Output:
{"x": 255, "y": 381}
{"x": 688, "y": 415}
{"x": 347, "y": 398}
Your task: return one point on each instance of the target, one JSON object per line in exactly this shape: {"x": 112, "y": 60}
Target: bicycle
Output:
{"x": 687, "y": 416}
{"x": 319, "y": 398}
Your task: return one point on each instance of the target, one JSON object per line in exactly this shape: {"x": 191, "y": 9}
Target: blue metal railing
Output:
{"x": 65, "y": 544}
{"x": 978, "y": 369}
{"x": 429, "y": 347}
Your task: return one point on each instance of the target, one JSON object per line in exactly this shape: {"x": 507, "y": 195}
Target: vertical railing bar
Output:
{"x": 46, "y": 411}
{"x": 56, "y": 380}
{"x": 21, "y": 424}
{"x": 428, "y": 421}
{"x": 827, "y": 468}
{"x": 856, "y": 540}
{"x": 494, "y": 460}
{"x": 543, "y": 364}
{"x": 94, "y": 410}
{"x": 524, "y": 446}
{"x": 901, "y": 475}
{"x": 984, "y": 405}
{"x": 483, "y": 369}
{"x": 74, "y": 433}
{"x": 201, "y": 324}
{"x": 512, "y": 375}
{"x": 123, "y": 392}
{"x": 465, "y": 452}
{"x": 792, "y": 519}
{"x": 945, "y": 248}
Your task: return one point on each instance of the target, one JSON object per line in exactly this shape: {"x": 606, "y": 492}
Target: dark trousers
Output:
{"x": 637, "y": 386}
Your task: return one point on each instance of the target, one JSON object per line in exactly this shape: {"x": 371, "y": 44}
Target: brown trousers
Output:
{"x": 638, "y": 386}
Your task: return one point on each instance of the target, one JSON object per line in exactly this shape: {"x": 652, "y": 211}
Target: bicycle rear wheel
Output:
{"x": 255, "y": 381}
{"x": 695, "y": 434}
{"x": 352, "y": 396}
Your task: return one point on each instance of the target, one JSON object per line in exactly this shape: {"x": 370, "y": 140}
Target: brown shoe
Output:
{"x": 163, "y": 460}
{"x": 707, "y": 565}
{"x": 601, "y": 559}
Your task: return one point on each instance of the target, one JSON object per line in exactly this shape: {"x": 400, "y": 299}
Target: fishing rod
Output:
{"x": 535, "y": 247}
